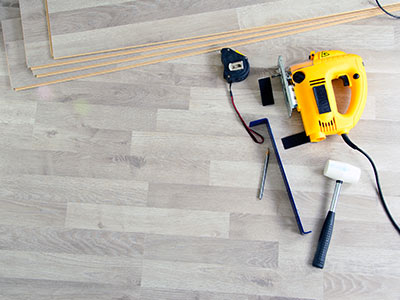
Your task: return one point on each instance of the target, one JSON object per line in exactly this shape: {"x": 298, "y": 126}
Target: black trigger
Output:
{"x": 345, "y": 80}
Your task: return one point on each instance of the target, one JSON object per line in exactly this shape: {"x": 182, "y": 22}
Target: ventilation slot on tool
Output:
{"x": 328, "y": 127}
{"x": 317, "y": 81}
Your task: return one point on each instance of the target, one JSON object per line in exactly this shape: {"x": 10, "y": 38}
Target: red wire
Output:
{"x": 250, "y": 131}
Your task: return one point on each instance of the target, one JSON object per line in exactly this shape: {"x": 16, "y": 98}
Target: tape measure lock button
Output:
{"x": 236, "y": 66}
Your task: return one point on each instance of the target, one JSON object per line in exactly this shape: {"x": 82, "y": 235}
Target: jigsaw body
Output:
{"x": 308, "y": 88}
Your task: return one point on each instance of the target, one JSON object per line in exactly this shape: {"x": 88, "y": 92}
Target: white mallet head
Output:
{"x": 342, "y": 171}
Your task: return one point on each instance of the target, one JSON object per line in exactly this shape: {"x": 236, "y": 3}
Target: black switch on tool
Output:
{"x": 345, "y": 80}
{"x": 322, "y": 99}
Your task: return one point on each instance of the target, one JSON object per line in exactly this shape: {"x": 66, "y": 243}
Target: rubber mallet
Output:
{"x": 341, "y": 172}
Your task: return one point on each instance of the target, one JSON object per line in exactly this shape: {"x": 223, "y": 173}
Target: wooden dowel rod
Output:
{"x": 151, "y": 62}
{"x": 194, "y": 47}
{"x": 184, "y": 41}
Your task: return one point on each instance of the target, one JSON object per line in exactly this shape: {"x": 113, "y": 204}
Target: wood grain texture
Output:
{"x": 36, "y": 38}
{"x": 176, "y": 294}
{"x": 20, "y": 75}
{"x": 123, "y": 64}
{"x": 80, "y": 114}
{"x": 157, "y": 155}
{"x": 149, "y": 220}
{"x": 27, "y": 289}
{"x": 114, "y": 14}
{"x": 121, "y": 271}
{"x": 34, "y": 24}
{"x": 9, "y": 12}
{"x": 229, "y": 279}
{"x": 212, "y": 251}
{"x": 71, "y": 25}
{"x": 240, "y": 200}
{"x": 34, "y": 27}
{"x": 72, "y": 241}
{"x": 39, "y": 48}
{"x": 119, "y": 22}
{"x": 229, "y": 41}
{"x": 354, "y": 286}
{"x": 93, "y": 140}
{"x": 63, "y": 189}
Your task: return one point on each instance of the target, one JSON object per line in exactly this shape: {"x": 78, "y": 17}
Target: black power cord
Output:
{"x": 385, "y": 11}
{"x": 385, "y": 207}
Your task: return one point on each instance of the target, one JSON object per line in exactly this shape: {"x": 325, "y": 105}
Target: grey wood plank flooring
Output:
{"x": 142, "y": 184}
{"x": 127, "y": 23}
{"x": 213, "y": 251}
{"x": 35, "y": 30}
{"x": 20, "y": 75}
{"x": 123, "y": 271}
{"x": 64, "y": 20}
{"x": 148, "y": 220}
{"x": 230, "y": 279}
{"x": 69, "y": 27}
{"x": 71, "y": 241}
{"x": 16, "y": 288}
{"x": 36, "y": 40}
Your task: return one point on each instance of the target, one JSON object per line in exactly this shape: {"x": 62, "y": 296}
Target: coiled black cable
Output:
{"x": 385, "y": 11}
{"x": 380, "y": 193}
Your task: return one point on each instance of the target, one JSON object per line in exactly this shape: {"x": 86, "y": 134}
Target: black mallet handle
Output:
{"x": 324, "y": 240}
{"x": 327, "y": 230}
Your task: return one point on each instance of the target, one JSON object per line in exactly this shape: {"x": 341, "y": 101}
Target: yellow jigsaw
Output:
{"x": 308, "y": 88}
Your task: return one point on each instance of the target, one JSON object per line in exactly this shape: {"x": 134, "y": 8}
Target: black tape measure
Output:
{"x": 236, "y": 65}
{"x": 236, "y": 69}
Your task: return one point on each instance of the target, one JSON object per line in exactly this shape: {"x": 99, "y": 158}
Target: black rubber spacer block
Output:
{"x": 267, "y": 97}
{"x": 295, "y": 140}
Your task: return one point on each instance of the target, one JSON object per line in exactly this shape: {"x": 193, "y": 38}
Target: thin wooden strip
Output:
{"x": 193, "y": 53}
{"x": 194, "y": 47}
{"x": 185, "y": 41}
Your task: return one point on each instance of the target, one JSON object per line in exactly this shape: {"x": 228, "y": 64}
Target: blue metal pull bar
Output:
{"x": 285, "y": 180}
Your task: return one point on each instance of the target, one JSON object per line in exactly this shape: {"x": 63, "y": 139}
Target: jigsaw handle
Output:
{"x": 315, "y": 94}
{"x": 353, "y": 71}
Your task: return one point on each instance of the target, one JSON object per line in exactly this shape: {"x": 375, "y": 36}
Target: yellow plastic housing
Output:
{"x": 321, "y": 69}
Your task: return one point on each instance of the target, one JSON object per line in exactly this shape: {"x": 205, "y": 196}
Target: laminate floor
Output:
{"x": 142, "y": 184}
{"x": 127, "y": 23}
